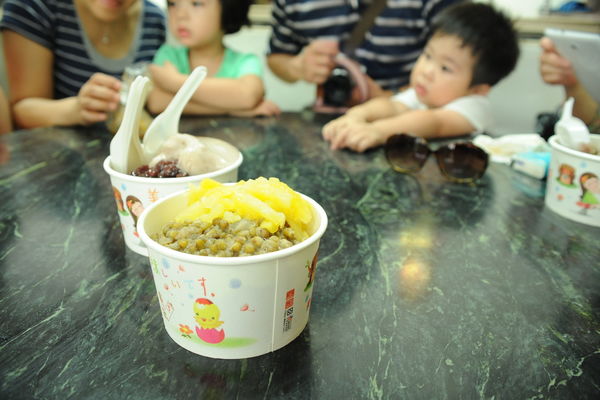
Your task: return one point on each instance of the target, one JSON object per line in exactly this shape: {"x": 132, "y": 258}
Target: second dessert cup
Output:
{"x": 135, "y": 193}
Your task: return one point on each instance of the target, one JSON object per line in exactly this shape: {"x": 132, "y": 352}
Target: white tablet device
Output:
{"x": 583, "y": 50}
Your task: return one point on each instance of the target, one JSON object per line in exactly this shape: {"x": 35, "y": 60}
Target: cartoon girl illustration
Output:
{"x": 566, "y": 175}
{"x": 207, "y": 314}
{"x": 135, "y": 207}
{"x": 119, "y": 201}
{"x": 590, "y": 189}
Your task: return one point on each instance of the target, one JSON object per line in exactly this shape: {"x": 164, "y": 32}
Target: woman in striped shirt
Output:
{"x": 65, "y": 57}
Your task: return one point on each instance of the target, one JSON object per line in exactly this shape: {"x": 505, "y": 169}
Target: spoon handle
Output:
{"x": 184, "y": 94}
{"x": 567, "y": 111}
{"x": 136, "y": 153}
{"x": 125, "y": 148}
{"x": 133, "y": 107}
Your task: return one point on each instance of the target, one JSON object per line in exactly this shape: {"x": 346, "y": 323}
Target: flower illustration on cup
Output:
{"x": 186, "y": 331}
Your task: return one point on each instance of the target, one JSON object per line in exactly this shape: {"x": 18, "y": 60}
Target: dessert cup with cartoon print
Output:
{"x": 245, "y": 298}
{"x": 573, "y": 183}
{"x": 134, "y": 193}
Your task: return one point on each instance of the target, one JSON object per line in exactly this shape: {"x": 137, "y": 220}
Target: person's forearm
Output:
{"x": 36, "y": 112}
{"x": 158, "y": 100}
{"x": 585, "y": 107}
{"x": 285, "y": 66}
{"x": 229, "y": 94}
{"x": 423, "y": 123}
{"x": 374, "y": 109}
{"x": 5, "y": 117}
{"x": 213, "y": 94}
{"x": 193, "y": 108}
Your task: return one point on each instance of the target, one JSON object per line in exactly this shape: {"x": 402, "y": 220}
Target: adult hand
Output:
{"x": 554, "y": 68}
{"x": 97, "y": 97}
{"x": 315, "y": 62}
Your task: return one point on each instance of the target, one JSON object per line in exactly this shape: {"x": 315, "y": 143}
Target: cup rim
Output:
{"x": 555, "y": 144}
{"x": 229, "y": 261}
{"x": 175, "y": 181}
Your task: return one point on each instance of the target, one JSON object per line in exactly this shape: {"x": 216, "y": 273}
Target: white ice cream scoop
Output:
{"x": 191, "y": 154}
{"x": 571, "y": 131}
{"x": 125, "y": 149}
{"x": 167, "y": 123}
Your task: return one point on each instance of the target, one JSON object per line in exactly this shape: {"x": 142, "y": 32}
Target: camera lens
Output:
{"x": 337, "y": 90}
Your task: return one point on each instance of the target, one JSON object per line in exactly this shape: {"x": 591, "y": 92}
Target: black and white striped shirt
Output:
{"x": 391, "y": 45}
{"x": 54, "y": 24}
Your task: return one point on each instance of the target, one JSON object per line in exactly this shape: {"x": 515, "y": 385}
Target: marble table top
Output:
{"x": 424, "y": 289}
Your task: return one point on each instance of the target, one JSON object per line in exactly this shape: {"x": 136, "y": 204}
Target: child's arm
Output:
{"x": 425, "y": 123}
{"x": 372, "y": 110}
{"x": 226, "y": 94}
{"x": 376, "y": 108}
{"x": 265, "y": 108}
{"x": 158, "y": 100}
{"x": 233, "y": 94}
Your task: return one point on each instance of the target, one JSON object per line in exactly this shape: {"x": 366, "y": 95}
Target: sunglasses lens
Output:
{"x": 406, "y": 153}
{"x": 462, "y": 162}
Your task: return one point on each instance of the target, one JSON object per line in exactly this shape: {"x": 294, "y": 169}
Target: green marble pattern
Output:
{"x": 424, "y": 289}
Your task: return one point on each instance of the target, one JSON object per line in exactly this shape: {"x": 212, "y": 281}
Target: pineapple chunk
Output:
{"x": 269, "y": 202}
{"x": 196, "y": 192}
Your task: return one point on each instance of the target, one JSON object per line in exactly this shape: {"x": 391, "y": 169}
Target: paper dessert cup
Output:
{"x": 260, "y": 303}
{"x": 134, "y": 193}
{"x": 573, "y": 185}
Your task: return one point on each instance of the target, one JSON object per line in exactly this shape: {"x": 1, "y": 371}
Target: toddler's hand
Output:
{"x": 351, "y": 132}
{"x": 331, "y": 128}
{"x": 97, "y": 97}
{"x": 358, "y": 136}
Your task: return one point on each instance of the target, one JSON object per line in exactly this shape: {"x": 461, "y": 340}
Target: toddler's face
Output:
{"x": 443, "y": 71}
{"x": 195, "y": 23}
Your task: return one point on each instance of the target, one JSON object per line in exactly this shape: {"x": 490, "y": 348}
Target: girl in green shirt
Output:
{"x": 234, "y": 83}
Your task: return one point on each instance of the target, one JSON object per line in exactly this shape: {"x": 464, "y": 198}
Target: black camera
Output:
{"x": 337, "y": 89}
{"x": 345, "y": 87}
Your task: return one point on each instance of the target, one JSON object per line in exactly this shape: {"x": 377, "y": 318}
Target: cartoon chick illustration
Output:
{"x": 207, "y": 314}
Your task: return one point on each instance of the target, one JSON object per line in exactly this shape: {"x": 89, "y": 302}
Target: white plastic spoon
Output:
{"x": 571, "y": 131}
{"x": 126, "y": 152}
{"x": 167, "y": 123}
